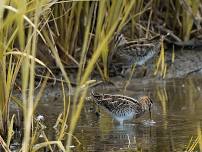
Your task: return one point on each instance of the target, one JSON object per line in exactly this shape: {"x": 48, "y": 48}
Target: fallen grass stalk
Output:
{"x": 37, "y": 147}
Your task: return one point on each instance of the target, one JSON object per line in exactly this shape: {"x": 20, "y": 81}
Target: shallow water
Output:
{"x": 175, "y": 115}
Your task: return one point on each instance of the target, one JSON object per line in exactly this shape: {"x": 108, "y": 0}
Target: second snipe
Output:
{"x": 123, "y": 107}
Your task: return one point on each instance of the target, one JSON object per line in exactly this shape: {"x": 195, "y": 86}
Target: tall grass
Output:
{"x": 75, "y": 32}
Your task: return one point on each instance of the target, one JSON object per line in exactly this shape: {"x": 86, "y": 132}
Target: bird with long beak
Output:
{"x": 123, "y": 107}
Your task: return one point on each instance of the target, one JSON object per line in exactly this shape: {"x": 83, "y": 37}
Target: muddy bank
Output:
{"x": 186, "y": 63}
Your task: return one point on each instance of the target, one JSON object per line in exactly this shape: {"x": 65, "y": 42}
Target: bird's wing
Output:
{"x": 122, "y": 106}
{"x": 134, "y": 50}
{"x": 118, "y": 104}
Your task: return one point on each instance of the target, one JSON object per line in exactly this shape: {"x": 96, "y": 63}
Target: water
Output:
{"x": 175, "y": 116}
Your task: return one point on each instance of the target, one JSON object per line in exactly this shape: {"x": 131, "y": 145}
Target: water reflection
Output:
{"x": 108, "y": 136}
{"x": 176, "y": 112}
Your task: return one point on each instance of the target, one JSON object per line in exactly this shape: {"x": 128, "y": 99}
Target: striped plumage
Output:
{"x": 122, "y": 107}
{"x": 126, "y": 54}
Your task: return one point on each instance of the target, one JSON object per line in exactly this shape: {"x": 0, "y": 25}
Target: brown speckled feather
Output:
{"x": 121, "y": 106}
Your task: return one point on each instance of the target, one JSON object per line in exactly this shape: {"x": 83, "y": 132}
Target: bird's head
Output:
{"x": 146, "y": 102}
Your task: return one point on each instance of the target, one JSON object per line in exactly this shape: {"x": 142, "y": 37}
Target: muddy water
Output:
{"x": 176, "y": 113}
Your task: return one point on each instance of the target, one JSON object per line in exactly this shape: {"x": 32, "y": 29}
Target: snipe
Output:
{"x": 123, "y": 107}
{"x": 125, "y": 53}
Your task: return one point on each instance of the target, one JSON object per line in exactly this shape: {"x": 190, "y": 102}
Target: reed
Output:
{"x": 78, "y": 33}
{"x": 188, "y": 17}
{"x": 160, "y": 66}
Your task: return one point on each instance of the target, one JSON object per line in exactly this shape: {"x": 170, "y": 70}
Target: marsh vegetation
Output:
{"x": 66, "y": 45}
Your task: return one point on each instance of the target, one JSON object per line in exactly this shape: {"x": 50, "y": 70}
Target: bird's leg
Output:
{"x": 144, "y": 70}
{"x": 97, "y": 112}
{"x": 123, "y": 71}
{"x": 121, "y": 122}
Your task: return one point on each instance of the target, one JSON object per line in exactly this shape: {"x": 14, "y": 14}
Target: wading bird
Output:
{"x": 125, "y": 53}
{"x": 123, "y": 107}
